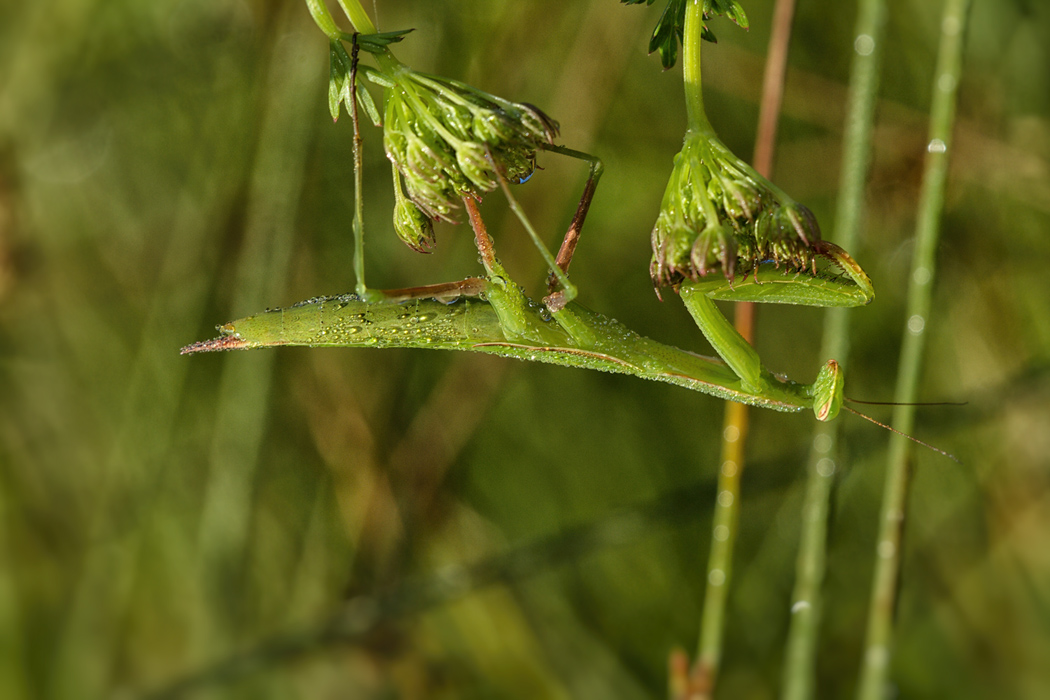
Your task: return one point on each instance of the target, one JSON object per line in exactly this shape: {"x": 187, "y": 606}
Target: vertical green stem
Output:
{"x": 736, "y": 423}
{"x": 362, "y": 25}
{"x": 879, "y": 639}
{"x": 691, "y": 40}
{"x": 359, "y": 204}
{"x": 723, "y": 539}
{"x": 720, "y": 558}
{"x": 806, "y": 598}
{"x": 389, "y": 65}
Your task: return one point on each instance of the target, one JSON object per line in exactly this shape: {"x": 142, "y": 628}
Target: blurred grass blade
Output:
{"x": 293, "y": 85}
{"x": 89, "y": 633}
{"x": 725, "y": 522}
{"x": 806, "y": 599}
{"x": 13, "y": 682}
{"x": 878, "y": 647}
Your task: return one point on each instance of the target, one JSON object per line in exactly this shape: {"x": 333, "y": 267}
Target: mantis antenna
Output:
{"x": 898, "y": 432}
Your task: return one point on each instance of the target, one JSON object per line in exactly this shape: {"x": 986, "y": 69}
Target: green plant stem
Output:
{"x": 694, "y": 94}
{"x": 726, "y": 515}
{"x": 875, "y": 662}
{"x": 359, "y": 202}
{"x": 392, "y": 68}
{"x": 736, "y": 422}
{"x": 806, "y": 598}
{"x": 225, "y": 529}
{"x": 323, "y": 19}
{"x": 363, "y": 25}
{"x": 357, "y": 15}
{"x": 720, "y": 560}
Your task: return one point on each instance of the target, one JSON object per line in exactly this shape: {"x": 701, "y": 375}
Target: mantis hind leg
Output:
{"x": 446, "y": 292}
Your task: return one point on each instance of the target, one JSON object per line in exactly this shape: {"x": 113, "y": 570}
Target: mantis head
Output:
{"x": 827, "y": 391}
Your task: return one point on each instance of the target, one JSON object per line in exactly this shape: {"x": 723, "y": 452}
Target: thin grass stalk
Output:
{"x": 720, "y": 559}
{"x": 736, "y": 422}
{"x": 89, "y": 633}
{"x": 806, "y": 598}
{"x": 273, "y": 203}
{"x": 875, "y": 662}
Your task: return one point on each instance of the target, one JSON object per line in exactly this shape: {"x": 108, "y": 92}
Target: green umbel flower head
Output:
{"x": 719, "y": 216}
{"x": 448, "y": 139}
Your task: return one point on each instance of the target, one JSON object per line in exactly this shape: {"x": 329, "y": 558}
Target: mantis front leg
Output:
{"x": 572, "y": 235}
{"x": 826, "y": 390}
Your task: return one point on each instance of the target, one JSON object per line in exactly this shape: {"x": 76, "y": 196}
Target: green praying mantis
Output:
{"x": 724, "y": 233}
{"x": 492, "y": 315}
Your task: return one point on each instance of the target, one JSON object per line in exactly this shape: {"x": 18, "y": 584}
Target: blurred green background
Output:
{"x": 170, "y": 165}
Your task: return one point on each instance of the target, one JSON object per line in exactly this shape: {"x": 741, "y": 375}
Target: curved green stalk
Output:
{"x": 357, "y": 15}
{"x": 806, "y": 598}
{"x": 241, "y": 410}
{"x": 879, "y": 639}
{"x": 323, "y": 19}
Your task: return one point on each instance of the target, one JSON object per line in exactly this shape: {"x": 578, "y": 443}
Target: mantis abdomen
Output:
{"x": 472, "y": 324}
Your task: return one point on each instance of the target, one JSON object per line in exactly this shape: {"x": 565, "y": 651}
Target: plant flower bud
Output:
{"x": 448, "y": 140}
{"x": 719, "y": 216}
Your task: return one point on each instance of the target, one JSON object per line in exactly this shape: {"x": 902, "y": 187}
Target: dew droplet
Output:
{"x": 864, "y": 45}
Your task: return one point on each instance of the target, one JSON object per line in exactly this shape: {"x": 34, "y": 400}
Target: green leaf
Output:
{"x": 339, "y": 77}
{"x": 375, "y": 43}
{"x": 364, "y": 98}
{"x": 668, "y": 33}
{"x": 730, "y": 8}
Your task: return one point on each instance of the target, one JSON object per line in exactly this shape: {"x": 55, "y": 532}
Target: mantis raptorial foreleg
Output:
{"x": 769, "y": 284}
{"x": 572, "y": 235}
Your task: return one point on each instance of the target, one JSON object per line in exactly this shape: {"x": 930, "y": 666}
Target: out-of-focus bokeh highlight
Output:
{"x": 485, "y": 528}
